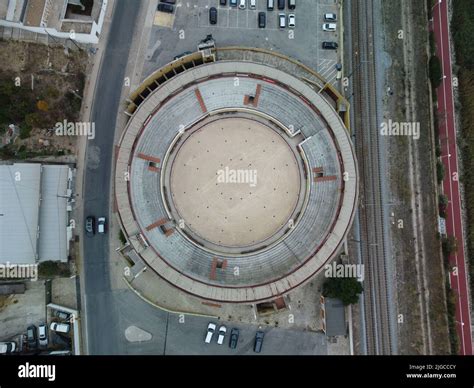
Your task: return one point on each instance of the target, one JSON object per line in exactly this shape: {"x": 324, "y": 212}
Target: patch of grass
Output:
{"x": 440, "y": 171}
{"x": 451, "y": 304}
{"x": 52, "y": 269}
{"x": 122, "y": 238}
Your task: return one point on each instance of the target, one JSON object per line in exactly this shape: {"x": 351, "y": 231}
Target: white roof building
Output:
{"x": 33, "y": 213}
{"x": 19, "y": 212}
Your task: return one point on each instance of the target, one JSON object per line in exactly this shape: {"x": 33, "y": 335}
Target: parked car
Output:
{"x": 282, "y": 20}
{"x": 330, "y": 17}
{"x": 330, "y": 45}
{"x": 7, "y": 347}
{"x": 291, "y": 20}
{"x": 213, "y": 15}
{"x": 169, "y": 1}
{"x": 101, "y": 225}
{"x": 90, "y": 226}
{"x": 60, "y": 327}
{"x": 234, "y": 338}
{"x": 281, "y": 4}
{"x": 168, "y": 8}
{"x": 220, "y": 338}
{"x": 291, "y": 4}
{"x": 242, "y": 4}
{"x": 262, "y": 20}
{"x": 43, "y": 335}
{"x": 257, "y": 348}
{"x": 329, "y": 27}
{"x": 211, "y": 328}
{"x": 63, "y": 316}
{"x": 31, "y": 337}
{"x": 233, "y": 3}
{"x": 223, "y": 2}
{"x": 253, "y": 4}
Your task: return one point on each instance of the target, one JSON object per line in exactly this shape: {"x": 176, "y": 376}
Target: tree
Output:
{"x": 345, "y": 289}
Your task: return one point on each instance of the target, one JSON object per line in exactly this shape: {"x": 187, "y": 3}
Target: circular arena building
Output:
{"x": 235, "y": 181}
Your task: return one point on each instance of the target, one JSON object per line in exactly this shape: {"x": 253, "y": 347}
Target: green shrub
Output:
{"x": 436, "y": 72}
{"x": 440, "y": 171}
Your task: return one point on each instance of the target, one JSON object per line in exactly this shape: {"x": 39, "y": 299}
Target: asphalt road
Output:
{"x": 99, "y": 303}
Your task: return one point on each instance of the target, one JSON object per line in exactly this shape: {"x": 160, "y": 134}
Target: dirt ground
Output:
{"x": 54, "y": 78}
{"x": 420, "y": 277}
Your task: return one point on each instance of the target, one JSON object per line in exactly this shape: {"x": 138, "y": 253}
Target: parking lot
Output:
{"x": 189, "y": 24}
{"x": 175, "y": 334}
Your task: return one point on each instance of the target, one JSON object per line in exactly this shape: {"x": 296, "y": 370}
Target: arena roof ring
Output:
{"x": 235, "y": 181}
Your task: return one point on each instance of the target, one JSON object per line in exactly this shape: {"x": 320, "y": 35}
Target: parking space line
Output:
{"x": 329, "y": 70}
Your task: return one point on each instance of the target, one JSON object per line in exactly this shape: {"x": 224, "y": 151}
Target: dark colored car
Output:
{"x": 234, "y": 338}
{"x": 257, "y": 348}
{"x": 31, "y": 337}
{"x": 223, "y": 2}
{"x": 291, "y": 4}
{"x": 168, "y": 8}
{"x": 213, "y": 15}
{"x": 90, "y": 226}
{"x": 262, "y": 20}
{"x": 281, "y": 4}
{"x": 169, "y": 1}
{"x": 63, "y": 316}
{"x": 233, "y": 3}
{"x": 330, "y": 45}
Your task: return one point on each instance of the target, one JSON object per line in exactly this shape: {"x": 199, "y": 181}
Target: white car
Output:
{"x": 101, "y": 225}
{"x": 330, "y": 17}
{"x": 7, "y": 347}
{"x": 242, "y": 4}
{"x": 60, "y": 327}
{"x": 222, "y": 331}
{"x": 253, "y": 4}
{"x": 291, "y": 20}
{"x": 43, "y": 335}
{"x": 211, "y": 328}
{"x": 282, "y": 20}
{"x": 329, "y": 27}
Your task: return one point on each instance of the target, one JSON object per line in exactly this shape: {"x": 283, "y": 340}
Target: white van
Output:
{"x": 220, "y": 338}
{"x": 211, "y": 328}
{"x": 253, "y": 4}
{"x": 270, "y": 4}
{"x": 242, "y": 4}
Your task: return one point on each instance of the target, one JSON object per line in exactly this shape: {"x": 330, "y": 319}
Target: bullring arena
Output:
{"x": 235, "y": 181}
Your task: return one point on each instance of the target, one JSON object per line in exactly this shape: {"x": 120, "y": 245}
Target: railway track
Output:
{"x": 371, "y": 212}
